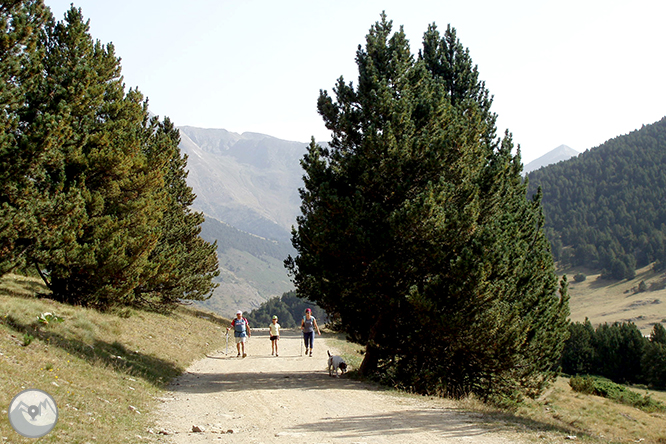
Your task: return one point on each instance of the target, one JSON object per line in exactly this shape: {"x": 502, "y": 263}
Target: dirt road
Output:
{"x": 291, "y": 398}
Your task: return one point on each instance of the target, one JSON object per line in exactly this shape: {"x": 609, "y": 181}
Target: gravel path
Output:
{"x": 291, "y": 398}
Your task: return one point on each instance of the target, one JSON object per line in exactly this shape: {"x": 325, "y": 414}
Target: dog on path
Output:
{"x": 335, "y": 363}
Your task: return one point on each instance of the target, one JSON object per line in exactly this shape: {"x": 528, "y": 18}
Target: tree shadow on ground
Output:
{"x": 242, "y": 381}
{"x": 445, "y": 423}
{"x": 111, "y": 354}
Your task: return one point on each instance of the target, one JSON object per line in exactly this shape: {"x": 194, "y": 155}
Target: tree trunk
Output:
{"x": 371, "y": 359}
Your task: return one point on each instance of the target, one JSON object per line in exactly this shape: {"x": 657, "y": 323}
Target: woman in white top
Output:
{"x": 275, "y": 335}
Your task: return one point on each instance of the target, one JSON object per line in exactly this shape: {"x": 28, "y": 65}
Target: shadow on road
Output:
{"x": 243, "y": 381}
{"x": 447, "y": 422}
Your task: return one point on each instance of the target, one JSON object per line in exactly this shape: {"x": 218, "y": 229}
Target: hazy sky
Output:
{"x": 573, "y": 72}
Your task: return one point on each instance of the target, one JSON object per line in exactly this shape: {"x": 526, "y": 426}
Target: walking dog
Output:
{"x": 335, "y": 363}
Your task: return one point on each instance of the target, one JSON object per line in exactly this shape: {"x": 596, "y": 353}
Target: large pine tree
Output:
{"x": 24, "y": 134}
{"x": 416, "y": 232}
{"x": 94, "y": 193}
{"x": 98, "y": 255}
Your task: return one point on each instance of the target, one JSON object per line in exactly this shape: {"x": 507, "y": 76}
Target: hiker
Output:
{"x": 274, "y": 328}
{"x": 308, "y": 325}
{"x": 241, "y": 332}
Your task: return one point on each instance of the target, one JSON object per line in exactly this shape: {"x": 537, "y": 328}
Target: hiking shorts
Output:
{"x": 240, "y": 339}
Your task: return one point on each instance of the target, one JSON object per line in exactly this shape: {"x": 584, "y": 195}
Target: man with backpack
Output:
{"x": 241, "y": 332}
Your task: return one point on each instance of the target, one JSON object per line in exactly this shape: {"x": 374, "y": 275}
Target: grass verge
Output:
{"x": 104, "y": 370}
{"x": 559, "y": 415}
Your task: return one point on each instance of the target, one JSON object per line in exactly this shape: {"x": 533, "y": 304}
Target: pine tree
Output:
{"x": 182, "y": 264}
{"x": 107, "y": 226}
{"x": 653, "y": 362}
{"x": 25, "y": 135}
{"x": 619, "y": 348}
{"x": 578, "y": 354}
{"x": 94, "y": 192}
{"x": 658, "y": 335}
{"x": 416, "y": 231}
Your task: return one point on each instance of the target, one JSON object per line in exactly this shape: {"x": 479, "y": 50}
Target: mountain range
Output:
{"x": 247, "y": 187}
{"x": 249, "y": 180}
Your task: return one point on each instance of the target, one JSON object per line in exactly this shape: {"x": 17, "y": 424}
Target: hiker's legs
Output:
{"x": 308, "y": 338}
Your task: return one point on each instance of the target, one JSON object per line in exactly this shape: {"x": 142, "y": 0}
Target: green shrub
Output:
{"x": 27, "y": 339}
{"x": 579, "y": 277}
{"x": 603, "y": 387}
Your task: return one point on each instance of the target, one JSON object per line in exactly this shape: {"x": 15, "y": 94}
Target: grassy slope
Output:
{"x": 610, "y": 301}
{"x": 95, "y": 365}
{"x": 98, "y": 365}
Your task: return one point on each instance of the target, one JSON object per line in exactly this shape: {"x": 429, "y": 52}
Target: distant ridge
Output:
{"x": 559, "y": 154}
{"x": 249, "y": 180}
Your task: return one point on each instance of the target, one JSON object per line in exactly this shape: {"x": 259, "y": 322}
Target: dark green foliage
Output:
{"x": 654, "y": 365}
{"x": 618, "y": 352}
{"x": 417, "y": 237}
{"x": 604, "y": 209}
{"x": 658, "y": 335}
{"x": 603, "y": 387}
{"x": 97, "y": 199}
{"x": 101, "y": 256}
{"x": 580, "y": 277}
{"x": 25, "y": 135}
{"x": 182, "y": 264}
{"x": 288, "y": 308}
{"x": 654, "y": 358}
{"x": 578, "y": 356}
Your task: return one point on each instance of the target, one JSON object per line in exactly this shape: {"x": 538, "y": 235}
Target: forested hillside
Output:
{"x": 228, "y": 237}
{"x": 289, "y": 309}
{"x": 251, "y": 268}
{"x": 605, "y": 209}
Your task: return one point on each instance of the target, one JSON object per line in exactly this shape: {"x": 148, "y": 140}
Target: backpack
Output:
{"x": 240, "y": 327}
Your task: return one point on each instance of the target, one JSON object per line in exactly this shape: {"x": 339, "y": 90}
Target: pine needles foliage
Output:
{"x": 93, "y": 193}
{"x": 416, "y": 234}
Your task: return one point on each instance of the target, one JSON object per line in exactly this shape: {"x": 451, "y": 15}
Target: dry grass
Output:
{"x": 610, "y": 301}
{"x": 558, "y": 414}
{"x": 98, "y": 365}
{"x": 104, "y": 371}
{"x": 594, "y": 419}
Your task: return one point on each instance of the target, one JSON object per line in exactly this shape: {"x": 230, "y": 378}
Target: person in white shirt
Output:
{"x": 275, "y": 335}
